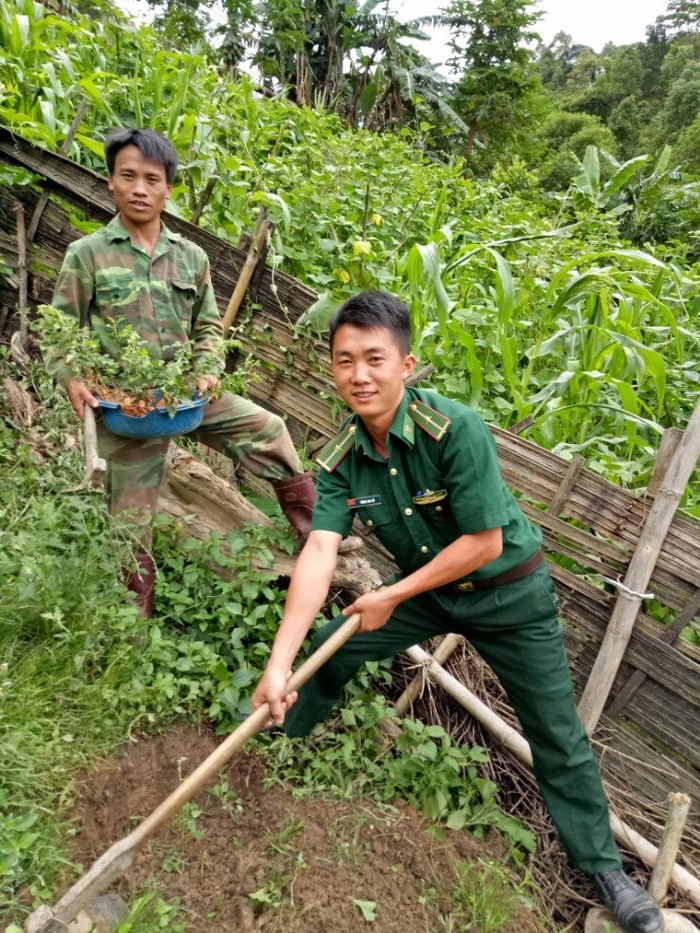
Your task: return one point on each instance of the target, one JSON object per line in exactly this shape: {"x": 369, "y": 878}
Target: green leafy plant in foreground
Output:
{"x": 149, "y": 912}
{"x": 128, "y": 373}
{"x": 484, "y": 897}
{"x": 425, "y": 768}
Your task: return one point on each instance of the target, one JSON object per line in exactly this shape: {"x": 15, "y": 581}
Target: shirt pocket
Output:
{"x": 374, "y": 517}
{"x": 438, "y": 517}
{"x": 116, "y": 295}
{"x": 183, "y": 295}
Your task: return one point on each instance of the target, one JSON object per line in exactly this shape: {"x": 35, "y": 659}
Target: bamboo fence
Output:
{"x": 644, "y": 712}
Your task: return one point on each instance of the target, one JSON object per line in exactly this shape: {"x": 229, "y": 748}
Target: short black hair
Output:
{"x": 153, "y": 146}
{"x": 375, "y": 309}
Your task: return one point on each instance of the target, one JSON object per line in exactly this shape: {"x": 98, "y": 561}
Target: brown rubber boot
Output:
{"x": 141, "y": 583}
{"x": 297, "y": 496}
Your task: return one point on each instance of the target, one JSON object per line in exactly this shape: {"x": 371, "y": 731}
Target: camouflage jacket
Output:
{"x": 167, "y": 298}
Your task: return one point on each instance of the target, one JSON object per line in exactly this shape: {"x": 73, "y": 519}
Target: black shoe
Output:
{"x": 633, "y": 908}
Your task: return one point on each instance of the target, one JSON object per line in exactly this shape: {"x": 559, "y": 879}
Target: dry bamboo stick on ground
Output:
{"x": 511, "y": 738}
{"x": 22, "y": 273}
{"x": 679, "y": 805}
{"x": 448, "y": 644}
{"x": 639, "y": 573}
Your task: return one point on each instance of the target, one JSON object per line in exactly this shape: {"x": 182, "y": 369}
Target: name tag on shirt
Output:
{"x": 364, "y": 500}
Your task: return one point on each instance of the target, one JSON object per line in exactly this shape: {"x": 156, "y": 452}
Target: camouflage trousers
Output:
{"x": 234, "y": 426}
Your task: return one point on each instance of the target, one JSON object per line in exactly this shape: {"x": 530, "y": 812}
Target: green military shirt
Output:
{"x": 441, "y": 480}
{"x": 167, "y": 298}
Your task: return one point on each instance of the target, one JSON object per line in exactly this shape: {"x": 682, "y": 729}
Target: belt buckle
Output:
{"x": 466, "y": 586}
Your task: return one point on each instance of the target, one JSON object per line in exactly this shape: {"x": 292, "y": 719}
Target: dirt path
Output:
{"x": 243, "y": 857}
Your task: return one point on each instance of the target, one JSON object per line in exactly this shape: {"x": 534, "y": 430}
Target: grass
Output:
{"x": 150, "y": 913}
{"x": 80, "y": 670}
{"x": 485, "y": 899}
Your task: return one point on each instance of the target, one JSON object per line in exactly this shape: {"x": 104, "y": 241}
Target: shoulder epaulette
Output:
{"x": 432, "y": 421}
{"x": 336, "y": 450}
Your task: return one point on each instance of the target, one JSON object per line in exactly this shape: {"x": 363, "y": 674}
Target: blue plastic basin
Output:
{"x": 157, "y": 423}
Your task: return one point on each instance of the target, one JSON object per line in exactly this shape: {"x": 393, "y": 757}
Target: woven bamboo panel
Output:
{"x": 652, "y": 745}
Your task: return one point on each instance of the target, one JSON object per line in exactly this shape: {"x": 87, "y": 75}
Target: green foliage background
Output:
{"x": 550, "y": 273}
{"x": 551, "y": 304}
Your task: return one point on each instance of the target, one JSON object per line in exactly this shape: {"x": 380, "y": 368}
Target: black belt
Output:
{"x": 522, "y": 570}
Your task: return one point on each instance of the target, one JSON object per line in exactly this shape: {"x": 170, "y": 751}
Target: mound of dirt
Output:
{"x": 246, "y": 857}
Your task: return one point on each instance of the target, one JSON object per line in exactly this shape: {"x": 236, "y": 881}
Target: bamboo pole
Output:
{"x": 678, "y": 807}
{"x": 686, "y": 883}
{"x": 446, "y": 647}
{"x": 668, "y": 635}
{"x": 120, "y": 856}
{"x": 251, "y": 261}
{"x": 22, "y": 273}
{"x": 639, "y": 573}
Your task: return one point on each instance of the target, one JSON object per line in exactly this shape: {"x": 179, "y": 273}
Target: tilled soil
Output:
{"x": 248, "y": 857}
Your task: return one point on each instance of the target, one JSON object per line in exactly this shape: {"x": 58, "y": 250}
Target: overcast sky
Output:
{"x": 593, "y": 22}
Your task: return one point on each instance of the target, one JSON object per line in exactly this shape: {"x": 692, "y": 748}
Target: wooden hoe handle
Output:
{"x": 119, "y": 856}
{"x": 95, "y": 467}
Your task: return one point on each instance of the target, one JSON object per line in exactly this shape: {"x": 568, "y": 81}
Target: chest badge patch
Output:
{"x": 364, "y": 500}
{"x": 429, "y": 496}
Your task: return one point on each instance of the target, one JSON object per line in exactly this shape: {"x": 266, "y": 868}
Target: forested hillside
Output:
{"x": 500, "y": 91}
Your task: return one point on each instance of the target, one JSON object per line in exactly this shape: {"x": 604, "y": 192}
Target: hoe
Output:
{"x": 75, "y": 912}
{"x": 82, "y": 910}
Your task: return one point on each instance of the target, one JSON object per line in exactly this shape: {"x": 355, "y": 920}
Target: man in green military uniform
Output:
{"x": 137, "y": 271}
{"x": 421, "y": 472}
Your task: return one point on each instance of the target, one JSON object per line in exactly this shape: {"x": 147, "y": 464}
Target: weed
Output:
{"x": 189, "y": 815}
{"x": 424, "y": 768}
{"x": 484, "y": 898}
{"x": 368, "y": 909}
{"x": 285, "y": 865}
{"x": 175, "y": 863}
{"x": 228, "y": 798}
{"x": 111, "y": 355}
{"x": 150, "y": 912}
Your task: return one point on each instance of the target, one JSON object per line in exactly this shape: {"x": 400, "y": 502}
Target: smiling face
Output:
{"x": 370, "y": 371}
{"x": 140, "y": 188}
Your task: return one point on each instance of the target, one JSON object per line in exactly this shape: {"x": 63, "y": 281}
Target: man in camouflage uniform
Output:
{"x": 137, "y": 271}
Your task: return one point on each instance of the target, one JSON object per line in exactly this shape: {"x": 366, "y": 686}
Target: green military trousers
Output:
{"x": 515, "y": 628}
{"x": 233, "y": 425}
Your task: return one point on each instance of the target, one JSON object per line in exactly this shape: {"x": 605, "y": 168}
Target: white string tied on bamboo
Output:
{"x": 421, "y": 669}
{"x": 626, "y": 591}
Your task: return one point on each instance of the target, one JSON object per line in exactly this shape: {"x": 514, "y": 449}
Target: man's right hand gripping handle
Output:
{"x": 272, "y": 689}
{"x": 79, "y": 395}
